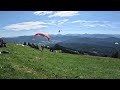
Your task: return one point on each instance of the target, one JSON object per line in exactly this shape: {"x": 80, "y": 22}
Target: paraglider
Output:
{"x": 42, "y": 34}
{"x": 59, "y": 30}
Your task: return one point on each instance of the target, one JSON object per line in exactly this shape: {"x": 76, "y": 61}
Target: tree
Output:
{"x": 24, "y": 43}
{"x": 33, "y": 46}
{"x": 105, "y": 55}
{"x": 115, "y": 55}
{"x": 29, "y": 44}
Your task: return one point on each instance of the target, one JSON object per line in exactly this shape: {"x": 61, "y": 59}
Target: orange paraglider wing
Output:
{"x": 42, "y": 34}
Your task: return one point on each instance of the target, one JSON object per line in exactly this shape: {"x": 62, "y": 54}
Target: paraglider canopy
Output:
{"x": 42, "y": 34}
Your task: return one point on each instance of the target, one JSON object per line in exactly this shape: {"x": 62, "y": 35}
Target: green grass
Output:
{"x": 28, "y": 63}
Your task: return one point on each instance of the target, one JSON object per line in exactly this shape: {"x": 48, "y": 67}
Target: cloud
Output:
{"x": 25, "y": 26}
{"x": 64, "y": 14}
{"x": 91, "y": 24}
{"x": 62, "y": 21}
{"x": 57, "y": 13}
{"x": 84, "y": 21}
{"x": 34, "y": 25}
{"x": 57, "y": 22}
{"x": 42, "y": 12}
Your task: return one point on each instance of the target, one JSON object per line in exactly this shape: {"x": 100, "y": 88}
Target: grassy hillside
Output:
{"x": 28, "y": 63}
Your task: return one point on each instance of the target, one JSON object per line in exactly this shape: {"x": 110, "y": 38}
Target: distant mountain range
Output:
{"x": 99, "y": 43}
{"x": 57, "y": 38}
{"x": 95, "y": 35}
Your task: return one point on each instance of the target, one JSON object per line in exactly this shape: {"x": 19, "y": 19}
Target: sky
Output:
{"x": 23, "y": 23}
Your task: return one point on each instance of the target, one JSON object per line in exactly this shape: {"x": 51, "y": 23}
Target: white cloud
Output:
{"x": 91, "y": 24}
{"x": 62, "y": 21}
{"x": 42, "y": 12}
{"x": 57, "y": 13}
{"x": 64, "y": 14}
{"x": 77, "y": 21}
{"x": 84, "y": 21}
{"x": 34, "y": 25}
{"x": 58, "y": 22}
{"x": 25, "y": 26}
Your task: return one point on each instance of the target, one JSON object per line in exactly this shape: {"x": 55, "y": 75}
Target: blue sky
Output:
{"x": 19, "y": 23}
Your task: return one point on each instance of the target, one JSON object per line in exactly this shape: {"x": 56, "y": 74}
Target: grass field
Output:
{"x": 29, "y": 63}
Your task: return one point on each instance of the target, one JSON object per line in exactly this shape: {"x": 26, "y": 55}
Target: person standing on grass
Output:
{"x": 42, "y": 48}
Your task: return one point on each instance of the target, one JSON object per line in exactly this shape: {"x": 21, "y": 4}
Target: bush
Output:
{"x": 115, "y": 55}
{"x": 105, "y": 56}
{"x": 33, "y": 46}
{"x": 24, "y": 43}
{"x": 29, "y": 44}
{"x": 36, "y": 46}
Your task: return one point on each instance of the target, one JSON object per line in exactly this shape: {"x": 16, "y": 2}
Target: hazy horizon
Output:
{"x": 59, "y": 34}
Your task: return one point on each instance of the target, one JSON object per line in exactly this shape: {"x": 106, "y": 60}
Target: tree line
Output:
{"x": 63, "y": 49}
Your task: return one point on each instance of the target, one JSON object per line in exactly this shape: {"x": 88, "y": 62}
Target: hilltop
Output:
{"x": 24, "y": 62}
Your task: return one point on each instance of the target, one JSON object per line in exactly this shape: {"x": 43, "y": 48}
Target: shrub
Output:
{"x": 24, "y": 43}
{"x": 115, "y": 55}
